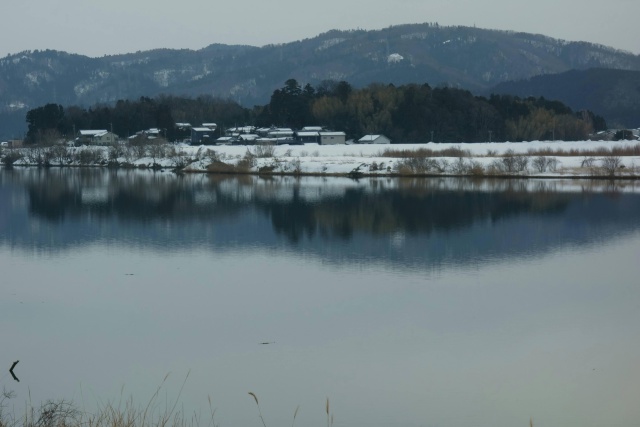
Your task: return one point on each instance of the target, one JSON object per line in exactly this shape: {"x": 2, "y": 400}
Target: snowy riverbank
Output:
{"x": 619, "y": 159}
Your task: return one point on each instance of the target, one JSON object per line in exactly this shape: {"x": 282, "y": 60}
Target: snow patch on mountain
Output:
{"x": 412, "y": 36}
{"x": 163, "y": 77}
{"x": 394, "y": 58}
{"x": 84, "y": 87}
{"x": 326, "y": 44}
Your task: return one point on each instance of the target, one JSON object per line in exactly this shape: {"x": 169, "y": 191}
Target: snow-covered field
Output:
{"x": 587, "y": 158}
{"x": 345, "y": 159}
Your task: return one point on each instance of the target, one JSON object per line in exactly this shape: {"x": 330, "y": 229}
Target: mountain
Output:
{"x": 466, "y": 57}
{"x": 614, "y": 94}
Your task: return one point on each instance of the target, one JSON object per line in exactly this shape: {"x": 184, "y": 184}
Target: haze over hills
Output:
{"x": 466, "y": 57}
{"x": 615, "y": 94}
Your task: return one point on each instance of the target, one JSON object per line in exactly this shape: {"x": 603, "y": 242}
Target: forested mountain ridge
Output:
{"x": 614, "y": 94}
{"x": 470, "y": 58}
{"x": 464, "y": 57}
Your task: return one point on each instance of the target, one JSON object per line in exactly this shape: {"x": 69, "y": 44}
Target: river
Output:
{"x": 405, "y": 302}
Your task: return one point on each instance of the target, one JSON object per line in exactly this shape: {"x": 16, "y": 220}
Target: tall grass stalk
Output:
{"x": 259, "y": 411}
{"x": 329, "y": 414}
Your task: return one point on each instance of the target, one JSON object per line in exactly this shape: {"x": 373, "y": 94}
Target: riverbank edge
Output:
{"x": 531, "y": 160}
{"x": 352, "y": 175}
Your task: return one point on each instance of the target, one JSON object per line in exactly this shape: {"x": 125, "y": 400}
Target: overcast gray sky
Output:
{"x": 120, "y": 26}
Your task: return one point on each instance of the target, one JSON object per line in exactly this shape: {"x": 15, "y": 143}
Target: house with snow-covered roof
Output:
{"x": 239, "y": 130}
{"x": 306, "y": 136}
{"x": 374, "y": 139}
{"x": 96, "y": 137}
{"x": 248, "y": 138}
{"x": 225, "y": 140}
{"x": 202, "y": 135}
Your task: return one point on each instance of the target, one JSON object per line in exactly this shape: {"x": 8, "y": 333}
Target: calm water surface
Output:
{"x": 431, "y": 302}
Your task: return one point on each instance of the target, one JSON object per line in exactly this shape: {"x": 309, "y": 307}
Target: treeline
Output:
{"x": 408, "y": 113}
{"x": 125, "y": 118}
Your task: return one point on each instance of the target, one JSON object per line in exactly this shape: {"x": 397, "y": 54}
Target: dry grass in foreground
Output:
{"x": 63, "y": 413}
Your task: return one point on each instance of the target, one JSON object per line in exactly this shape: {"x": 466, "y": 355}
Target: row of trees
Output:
{"x": 408, "y": 113}
{"x": 419, "y": 113}
{"x": 125, "y": 118}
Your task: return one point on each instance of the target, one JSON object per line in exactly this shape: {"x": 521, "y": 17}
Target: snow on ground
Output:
{"x": 373, "y": 150}
{"x": 344, "y": 159}
{"x": 370, "y": 159}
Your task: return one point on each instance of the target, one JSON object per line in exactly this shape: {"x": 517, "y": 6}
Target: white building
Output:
{"x": 96, "y": 137}
{"x": 374, "y": 139}
{"x": 332, "y": 138}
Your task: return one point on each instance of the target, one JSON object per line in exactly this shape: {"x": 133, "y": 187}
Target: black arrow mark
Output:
{"x": 11, "y": 370}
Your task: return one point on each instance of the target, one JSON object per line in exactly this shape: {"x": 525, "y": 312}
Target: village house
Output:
{"x": 202, "y": 136}
{"x": 96, "y": 137}
{"x": 226, "y": 140}
{"x": 305, "y": 137}
{"x": 332, "y": 138}
{"x": 374, "y": 139}
{"x": 237, "y": 131}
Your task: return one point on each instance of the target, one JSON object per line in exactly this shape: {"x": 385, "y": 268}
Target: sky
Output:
{"x": 123, "y": 26}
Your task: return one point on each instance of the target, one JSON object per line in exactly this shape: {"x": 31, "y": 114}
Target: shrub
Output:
{"x": 459, "y": 167}
{"x": 221, "y": 167}
{"x": 116, "y": 151}
{"x": 139, "y": 150}
{"x": 60, "y": 154}
{"x": 611, "y": 164}
{"x": 11, "y": 157}
{"x": 587, "y": 162}
{"x": 296, "y": 166}
{"x": 156, "y": 151}
{"x": 264, "y": 150}
{"x": 417, "y": 165}
{"x": 476, "y": 169}
{"x": 88, "y": 156}
{"x": 248, "y": 161}
{"x": 542, "y": 163}
{"x": 39, "y": 156}
{"x": 514, "y": 163}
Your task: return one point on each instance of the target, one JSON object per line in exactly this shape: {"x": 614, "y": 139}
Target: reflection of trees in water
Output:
{"x": 411, "y": 210}
{"x": 132, "y": 195}
{"x": 374, "y": 207}
{"x": 294, "y": 219}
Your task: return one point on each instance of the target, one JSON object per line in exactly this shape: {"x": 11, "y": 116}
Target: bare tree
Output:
{"x": 611, "y": 164}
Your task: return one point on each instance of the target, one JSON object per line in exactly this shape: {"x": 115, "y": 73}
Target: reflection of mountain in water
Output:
{"x": 419, "y": 222}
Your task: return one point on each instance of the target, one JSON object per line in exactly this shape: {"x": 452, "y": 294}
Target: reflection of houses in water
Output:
{"x": 391, "y": 220}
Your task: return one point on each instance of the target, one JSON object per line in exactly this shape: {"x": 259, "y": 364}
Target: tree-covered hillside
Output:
{"x": 615, "y": 94}
{"x": 407, "y": 113}
{"x": 462, "y": 57}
